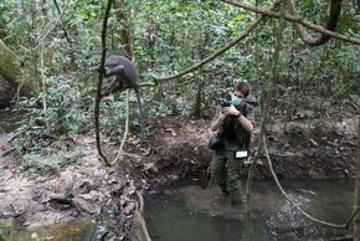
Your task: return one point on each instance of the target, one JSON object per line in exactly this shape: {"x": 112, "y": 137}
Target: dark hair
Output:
{"x": 244, "y": 87}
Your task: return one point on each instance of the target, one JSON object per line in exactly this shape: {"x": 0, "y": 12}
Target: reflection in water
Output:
{"x": 195, "y": 214}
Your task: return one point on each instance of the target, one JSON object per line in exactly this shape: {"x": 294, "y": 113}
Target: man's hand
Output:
{"x": 231, "y": 110}
{"x": 227, "y": 90}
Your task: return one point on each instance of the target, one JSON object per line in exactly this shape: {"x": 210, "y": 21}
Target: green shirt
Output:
{"x": 236, "y": 137}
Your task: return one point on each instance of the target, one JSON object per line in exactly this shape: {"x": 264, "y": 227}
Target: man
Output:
{"x": 235, "y": 123}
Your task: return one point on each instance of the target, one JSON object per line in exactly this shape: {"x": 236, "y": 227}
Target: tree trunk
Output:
{"x": 356, "y": 233}
{"x": 200, "y": 82}
{"x": 7, "y": 92}
{"x": 124, "y": 17}
{"x": 152, "y": 37}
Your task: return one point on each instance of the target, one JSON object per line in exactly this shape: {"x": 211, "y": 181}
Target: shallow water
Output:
{"x": 191, "y": 213}
{"x": 194, "y": 214}
{"x": 80, "y": 231}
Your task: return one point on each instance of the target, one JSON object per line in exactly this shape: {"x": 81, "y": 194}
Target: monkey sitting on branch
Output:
{"x": 125, "y": 77}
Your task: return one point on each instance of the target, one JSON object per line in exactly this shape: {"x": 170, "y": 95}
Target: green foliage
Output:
{"x": 51, "y": 163}
{"x": 67, "y": 112}
{"x": 161, "y": 110}
{"x": 65, "y": 108}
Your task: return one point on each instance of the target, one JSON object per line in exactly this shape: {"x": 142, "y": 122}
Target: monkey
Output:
{"x": 125, "y": 77}
{"x": 123, "y": 69}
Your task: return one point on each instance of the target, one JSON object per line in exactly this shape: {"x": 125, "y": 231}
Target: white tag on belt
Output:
{"x": 241, "y": 154}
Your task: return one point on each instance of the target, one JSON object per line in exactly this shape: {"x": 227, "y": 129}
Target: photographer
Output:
{"x": 233, "y": 124}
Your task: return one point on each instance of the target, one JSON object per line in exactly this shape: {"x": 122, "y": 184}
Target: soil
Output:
{"x": 178, "y": 150}
{"x": 83, "y": 189}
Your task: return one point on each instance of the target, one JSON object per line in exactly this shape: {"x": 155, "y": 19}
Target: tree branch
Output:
{"x": 335, "y": 9}
{"x": 295, "y": 19}
{"x": 66, "y": 34}
{"x": 222, "y": 50}
{"x": 101, "y": 78}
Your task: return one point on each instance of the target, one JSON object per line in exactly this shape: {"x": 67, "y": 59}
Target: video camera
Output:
{"x": 231, "y": 99}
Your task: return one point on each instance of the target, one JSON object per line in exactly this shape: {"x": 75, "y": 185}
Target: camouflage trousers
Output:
{"x": 225, "y": 172}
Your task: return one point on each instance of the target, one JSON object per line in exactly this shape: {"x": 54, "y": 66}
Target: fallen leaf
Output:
{"x": 93, "y": 195}
{"x": 173, "y": 133}
{"x": 133, "y": 140}
{"x": 149, "y": 166}
{"x": 146, "y": 151}
{"x": 8, "y": 174}
{"x": 313, "y": 142}
{"x": 34, "y": 236}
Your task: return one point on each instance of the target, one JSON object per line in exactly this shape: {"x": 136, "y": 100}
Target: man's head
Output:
{"x": 242, "y": 89}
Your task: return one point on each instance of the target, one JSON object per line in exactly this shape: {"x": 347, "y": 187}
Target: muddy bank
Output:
{"x": 317, "y": 149}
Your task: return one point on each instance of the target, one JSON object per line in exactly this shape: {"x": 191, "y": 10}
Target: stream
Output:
{"x": 194, "y": 214}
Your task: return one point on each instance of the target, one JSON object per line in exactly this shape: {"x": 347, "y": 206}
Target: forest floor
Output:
{"x": 85, "y": 187}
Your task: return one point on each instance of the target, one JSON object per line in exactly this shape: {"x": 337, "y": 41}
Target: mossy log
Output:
{"x": 8, "y": 65}
{"x": 10, "y": 71}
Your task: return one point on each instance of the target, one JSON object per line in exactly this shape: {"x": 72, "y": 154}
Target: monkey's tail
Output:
{"x": 141, "y": 116}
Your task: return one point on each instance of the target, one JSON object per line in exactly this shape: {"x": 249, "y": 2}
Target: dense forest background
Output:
{"x": 59, "y": 47}
{"x": 50, "y": 55}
